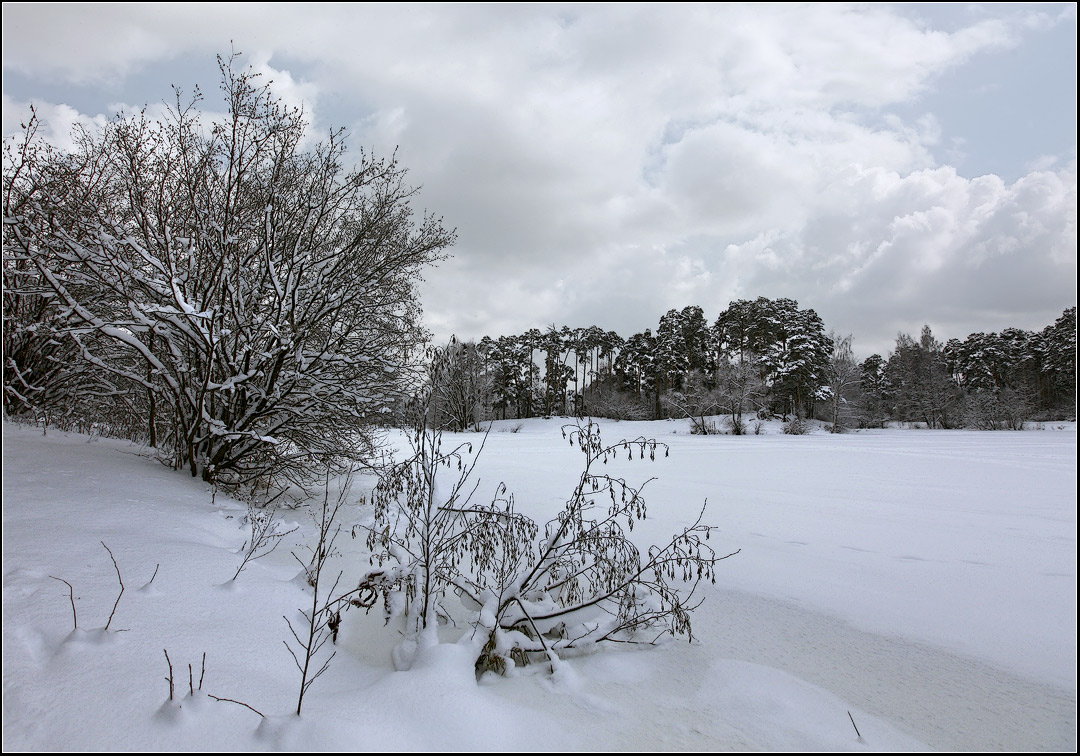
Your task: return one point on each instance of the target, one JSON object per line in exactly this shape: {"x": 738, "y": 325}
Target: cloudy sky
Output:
{"x": 887, "y": 165}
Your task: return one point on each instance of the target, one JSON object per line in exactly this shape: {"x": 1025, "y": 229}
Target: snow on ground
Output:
{"x": 924, "y": 581}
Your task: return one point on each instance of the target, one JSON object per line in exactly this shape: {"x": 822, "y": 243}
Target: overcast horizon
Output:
{"x": 886, "y": 165}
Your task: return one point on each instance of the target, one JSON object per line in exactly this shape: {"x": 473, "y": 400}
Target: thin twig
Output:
{"x": 170, "y": 677}
{"x": 190, "y": 681}
{"x": 71, "y": 595}
{"x": 201, "y": 676}
{"x": 265, "y": 535}
{"x": 154, "y": 575}
{"x": 853, "y": 725}
{"x": 230, "y": 700}
{"x": 115, "y": 565}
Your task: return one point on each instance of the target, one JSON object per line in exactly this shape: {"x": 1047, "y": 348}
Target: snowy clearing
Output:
{"x": 924, "y": 581}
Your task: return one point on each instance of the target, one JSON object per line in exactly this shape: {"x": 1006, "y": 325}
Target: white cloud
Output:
{"x": 84, "y": 43}
{"x": 929, "y": 246}
{"x": 57, "y": 123}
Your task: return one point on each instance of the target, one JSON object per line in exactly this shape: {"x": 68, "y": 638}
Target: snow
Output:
{"x": 922, "y": 583}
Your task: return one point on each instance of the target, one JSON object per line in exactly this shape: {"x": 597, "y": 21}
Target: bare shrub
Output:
{"x": 119, "y": 578}
{"x": 588, "y": 583}
{"x": 618, "y": 405}
{"x": 797, "y": 426}
{"x": 265, "y": 534}
{"x": 998, "y": 409}
{"x": 583, "y": 583}
{"x": 246, "y": 302}
{"x": 321, "y": 620}
{"x": 703, "y": 427}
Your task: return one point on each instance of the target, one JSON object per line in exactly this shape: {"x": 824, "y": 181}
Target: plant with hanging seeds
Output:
{"x": 432, "y": 537}
{"x": 582, "y": 583}
{"x": 587, "y": 582}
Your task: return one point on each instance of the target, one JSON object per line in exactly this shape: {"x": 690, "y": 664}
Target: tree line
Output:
{"x": 987, "y": 380}
{"x": 761, "y": 358}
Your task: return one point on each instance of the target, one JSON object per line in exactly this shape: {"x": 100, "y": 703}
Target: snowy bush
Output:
{"x": 695, "y": 402}
{"x": 247, "y": 304}
{"x": 997, "y": 409}
{"x": 582, "y": 583}
{"x": 429, "y": 540}
{"x": 587, "y": 582}
{"x": 618, "y": 405}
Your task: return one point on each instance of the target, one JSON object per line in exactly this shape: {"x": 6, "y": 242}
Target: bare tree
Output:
{"x": 254, "y": 300}
{"x": 740, "y": 385}
{"x": 843, "y": 375}
{"x": 695, "y": 401}
{"x": 461, "y": 386}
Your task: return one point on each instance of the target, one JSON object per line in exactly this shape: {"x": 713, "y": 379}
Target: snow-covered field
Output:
{"x": 921, "y": 584}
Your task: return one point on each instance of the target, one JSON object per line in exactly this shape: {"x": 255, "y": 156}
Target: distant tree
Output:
{"x": 738, "y": 330}
{"x": 843, "y": 376}
{"x": 873, "y": 401}
{"x": 698, "y": 341}
{"x": 671, "y": 355}
{"x": 788, "y": 345}
{"x": 796, "y": 355}
{"x": 507, "y": 360}
{"x": 990, "y": 360}
{"x": 695, "y": 401}
{"x": 460, "y": 386}
{"x": 610, "y": 344}
{"x": 557, "y": 345}
{"x": 995, "y": 373}
{"x": 921, "y": 383}
{"x": 740, "y": 386}
{"x": 1055, "y": 349}
{"x": 532, "y": 340}
{"x": 638, "y": 370}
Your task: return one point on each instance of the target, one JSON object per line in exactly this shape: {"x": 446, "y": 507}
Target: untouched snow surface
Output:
{"x": 922, "y": 581}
